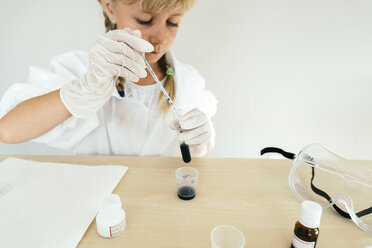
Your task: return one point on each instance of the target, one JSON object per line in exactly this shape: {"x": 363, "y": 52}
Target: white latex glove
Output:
{"x": 196, "y": 131}
{"x": 115, "y": 54}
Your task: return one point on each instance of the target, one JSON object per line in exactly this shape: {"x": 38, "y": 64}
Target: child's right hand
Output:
{"x": 115, "y": 54}
{"x": 118, "y": 54}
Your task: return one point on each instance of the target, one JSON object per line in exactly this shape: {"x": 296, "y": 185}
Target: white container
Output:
{"x": 111, "y": 218}
{"x": 226, "y": 236}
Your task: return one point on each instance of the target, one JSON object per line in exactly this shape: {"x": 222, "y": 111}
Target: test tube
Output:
{"x": 185, "y": 151}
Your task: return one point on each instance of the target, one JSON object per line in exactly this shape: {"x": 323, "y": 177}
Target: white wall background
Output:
{"x": 286, "y": 72}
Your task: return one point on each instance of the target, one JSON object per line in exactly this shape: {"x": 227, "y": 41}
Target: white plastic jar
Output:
{"x": 111, "y": 218}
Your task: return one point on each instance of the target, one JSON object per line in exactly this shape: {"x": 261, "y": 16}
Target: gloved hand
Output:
{"x": 196, "y": 131}
{"x": 115, "y": 54}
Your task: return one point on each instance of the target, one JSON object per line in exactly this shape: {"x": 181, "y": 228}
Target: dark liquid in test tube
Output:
{"x": 185, "y": 152}
{"x": 186, "y": 193}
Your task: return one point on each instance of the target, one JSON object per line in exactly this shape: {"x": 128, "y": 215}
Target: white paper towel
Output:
{"x": 48, "y": 204}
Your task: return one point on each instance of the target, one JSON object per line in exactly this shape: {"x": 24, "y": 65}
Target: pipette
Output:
{"x": 185, "y": 151}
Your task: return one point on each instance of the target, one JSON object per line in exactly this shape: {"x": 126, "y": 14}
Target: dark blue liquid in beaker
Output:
{"x": 186, "y": 193}
{"x": 185, "y": 151}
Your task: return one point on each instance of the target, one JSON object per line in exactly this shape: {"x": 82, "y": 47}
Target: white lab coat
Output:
{"x": 124, "y": 126}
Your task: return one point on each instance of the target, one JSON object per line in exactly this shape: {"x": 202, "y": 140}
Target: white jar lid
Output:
{"x": 310, "y": 214}
{"x": 111, "y": 205}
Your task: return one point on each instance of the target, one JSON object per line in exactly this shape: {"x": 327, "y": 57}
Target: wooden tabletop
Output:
{"x": 251, "y": 194}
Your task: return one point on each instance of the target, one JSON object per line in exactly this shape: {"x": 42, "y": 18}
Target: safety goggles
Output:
{"x": 322, "y": 176}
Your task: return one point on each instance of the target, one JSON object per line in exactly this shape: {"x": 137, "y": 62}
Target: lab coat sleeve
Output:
{"x": 208, "y": 104}
{"x": 192, "y": 93}
{"x": 63, "y": 69}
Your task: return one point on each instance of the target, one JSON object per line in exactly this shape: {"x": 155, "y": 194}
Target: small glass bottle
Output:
{"x": 306, "y": 229}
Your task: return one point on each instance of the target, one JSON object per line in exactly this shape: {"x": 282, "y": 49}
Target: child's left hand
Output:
{"x": 196, "y": 131}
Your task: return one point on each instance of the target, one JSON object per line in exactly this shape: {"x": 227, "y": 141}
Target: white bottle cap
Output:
{"x": 111, "y": 204}
{"x": 310, "y": 214}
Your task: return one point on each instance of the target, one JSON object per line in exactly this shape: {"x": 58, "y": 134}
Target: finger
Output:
{"x": 193, "y": 119}
{"x": 121, "y": 60}
{"x": 116, "y": 47}
{"x": 101, "y": 69}
{"x": 201, "y": 139}
{"x": 103, "y": 62}
{"x": 134, "y": 42}
{"x": 139, "y": 57}
{"x": 139, "y": 60}
{"x": 188, "y": 135}
{"x": 121, "y": 48}
{"x": 120, "y": 71}
{"x": 191, "y": 113}
{"x": 193, "y": 122}
{"x": 131, "y": 65}
{"x": 99, "y": 53}
{"x": 136, "y": 33}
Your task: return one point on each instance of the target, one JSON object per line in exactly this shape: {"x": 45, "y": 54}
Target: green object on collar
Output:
{"x": 169, "y": 71}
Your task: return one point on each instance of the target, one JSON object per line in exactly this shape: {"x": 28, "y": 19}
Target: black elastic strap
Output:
{"x": 325, "y": 195}
{"x": 364, "y": 212}
{"x": 340, "y": 211}
{"x": 278, "y": 150}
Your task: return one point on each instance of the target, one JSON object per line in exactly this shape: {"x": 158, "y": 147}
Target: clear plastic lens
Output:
{"x": 347, "y": 183}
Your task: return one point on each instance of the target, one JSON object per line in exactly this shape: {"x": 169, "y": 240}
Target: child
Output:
{"x": 105, "y": 102}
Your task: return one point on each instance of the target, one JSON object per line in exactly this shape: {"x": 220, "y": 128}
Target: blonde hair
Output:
{"x": 154, "y": 6}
